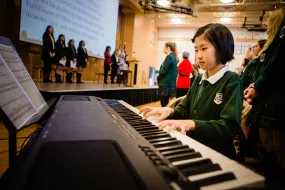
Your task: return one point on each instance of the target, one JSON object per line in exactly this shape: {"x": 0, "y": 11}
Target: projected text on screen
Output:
{"x": 94, "y": 21}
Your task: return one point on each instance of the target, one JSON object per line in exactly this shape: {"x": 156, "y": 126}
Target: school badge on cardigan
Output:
{"x": 282, "y": 32}
{"x": 219, "y": 98}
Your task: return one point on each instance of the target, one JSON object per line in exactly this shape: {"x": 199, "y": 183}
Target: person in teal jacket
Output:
{"x": 211, "y": 111}
{"x": 168, "y": 74}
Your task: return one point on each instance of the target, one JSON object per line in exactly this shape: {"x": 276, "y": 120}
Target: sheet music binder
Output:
{"x": 21, "y": 103}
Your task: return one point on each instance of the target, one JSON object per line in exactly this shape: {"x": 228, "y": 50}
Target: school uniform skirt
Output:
{"x": 166, "y": 91}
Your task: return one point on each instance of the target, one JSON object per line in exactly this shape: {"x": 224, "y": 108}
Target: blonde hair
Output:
{"x": 116, "y": 51}
{"x": 275, "y": 21}
{"x": 173, "y": 49}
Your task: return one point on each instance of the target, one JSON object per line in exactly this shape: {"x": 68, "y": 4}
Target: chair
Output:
{"x": 37, "y": 66}
{"x": 99, "y": 74}
{"x": 175, "y": 102}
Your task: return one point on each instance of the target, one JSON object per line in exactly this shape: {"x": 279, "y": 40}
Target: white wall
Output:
{"x": 182, "y": 37}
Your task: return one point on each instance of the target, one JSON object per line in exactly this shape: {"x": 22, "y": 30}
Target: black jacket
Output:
{"x": 71, "y": 54}
{"x": 82, "y": 55}
{"x": 60, "y": 51}
{"x": 48, "y": 46}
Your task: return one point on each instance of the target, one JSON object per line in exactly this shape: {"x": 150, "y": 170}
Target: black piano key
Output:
{"x": 183, "y": 156}
{"x": 144, "y": 129}
{"x": 166, "y": 143}
{"x": 134, "y": 124}
{"x": 215, "y": 179}
{"x": 156, "y": 136}
{"x": 200, "y": 169}
{"x": 169, "y": 148}
{"x": 162, "y": 139}
{"x": 144, "y": 126}
{"x": 178, "y": 151}
{"x": 152, "y": 132}
{"x": 131, "y": 118}
{"x": 197, "y": 163}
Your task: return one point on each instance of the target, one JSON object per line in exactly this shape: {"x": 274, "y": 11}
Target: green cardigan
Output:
{"x": 168, "y": 72}
{"x": 217, "y": 115}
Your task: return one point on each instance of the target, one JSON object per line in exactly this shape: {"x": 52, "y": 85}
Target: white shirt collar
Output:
{"x": 169, "y": 53}
{"x": 213, "y": 79}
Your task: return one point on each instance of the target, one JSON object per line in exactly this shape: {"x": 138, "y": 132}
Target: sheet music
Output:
{"x": 14, "y": 102}
{"x": 62, "y": 61}
{"x": 17, "y": 67}
{"x": 73, "y": 64}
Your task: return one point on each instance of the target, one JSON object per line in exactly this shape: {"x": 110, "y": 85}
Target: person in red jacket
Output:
{"x": 107, "y": 63}
{"x": 184, "y": 71}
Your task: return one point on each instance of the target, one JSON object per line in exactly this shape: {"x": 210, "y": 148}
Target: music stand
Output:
{"x": 12, "y": 129}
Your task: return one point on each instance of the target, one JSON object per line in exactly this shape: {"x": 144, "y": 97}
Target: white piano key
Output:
{"x": 244, "y": 176}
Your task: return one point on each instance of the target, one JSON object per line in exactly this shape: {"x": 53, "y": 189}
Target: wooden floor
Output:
{"x": 87, "y": 86}
{"x": 21, "y": 135}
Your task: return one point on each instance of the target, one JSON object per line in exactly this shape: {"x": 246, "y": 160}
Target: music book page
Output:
{"x": 14, "y": 101}
{"x": 62, "y": 62}
{"x": 73, "y": 64}
{"x": 17, "y": 67}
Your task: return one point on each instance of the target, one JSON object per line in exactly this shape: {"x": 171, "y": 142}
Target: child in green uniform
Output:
{"x": 211, "y": 111}
{"x": 267, "y": 94}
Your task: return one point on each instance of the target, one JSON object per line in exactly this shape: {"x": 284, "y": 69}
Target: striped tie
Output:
{"x": 202, "y": 88}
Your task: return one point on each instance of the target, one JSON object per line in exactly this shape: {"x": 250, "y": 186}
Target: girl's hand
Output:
{"x": 182, "y": 126}
{"x": 163, "y": 113}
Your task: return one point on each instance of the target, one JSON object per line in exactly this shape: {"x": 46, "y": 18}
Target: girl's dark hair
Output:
{"x": 69, "y": 42}
{"x": 221, "y": 38}
{"x": 246, "y": 61}
{"x": 80, "y": 43}
{"x": 58, "y": 39}
{"x": 47, "y": 32}
{"x": 261, "y": 43}
{"x": 107, "y": 48}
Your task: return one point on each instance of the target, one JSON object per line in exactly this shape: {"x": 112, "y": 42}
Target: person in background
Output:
{"x": 81, "y": 61}
{"x": 249, "y": 71}
{"x": 48, "y": 52}
{"x": 184, "y": 71}
{"x": 195, "y": 73}
{"x": 211, "y": 111}
{"x": 121, "y": 63}
{"x": 248, "y": 54}
{"x": 168, "y": 74}
{"x": 266, "y": 94}
{"x": 126, "y": 70}
{"x": 240, "y": 70}
{"x": 107, "y": 63}
{"x": 115, "y": 60}
{"x": 61, "y": 53}
{"x": 71, "y": 56}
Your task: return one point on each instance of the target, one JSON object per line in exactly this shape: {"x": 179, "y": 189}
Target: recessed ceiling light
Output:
{"x": 163, "y": 2}
{"x": 226, "y": 1}
{"x": 176, "y": 20}
{"x": 226, "y": 19}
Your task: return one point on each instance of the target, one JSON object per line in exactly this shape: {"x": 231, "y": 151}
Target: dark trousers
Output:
{"x": 46, "y": 70}
{"x": 181, "y": 92}
{"x": 164, "y": 100}
{"x": 114, "y": 73}
{"x": 106, "y": 70}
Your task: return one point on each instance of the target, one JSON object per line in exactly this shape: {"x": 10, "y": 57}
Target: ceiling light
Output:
{"x": 163, "y": 2}
{"x": 226, "y": 19}
{"x": 176, "y": 20}
{"x": 226, "y": 1}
